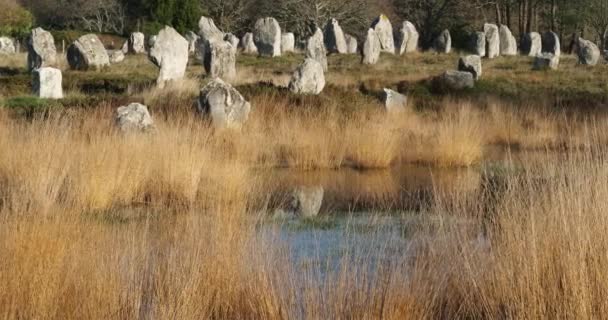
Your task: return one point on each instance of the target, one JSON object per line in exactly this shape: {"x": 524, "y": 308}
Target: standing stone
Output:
{"x": 531, "y": 44}
{"x": 443, "y": 43}
{"x": 315, "y": 49}
{"x": 508, "y": 44}
{"x": 407, "y": 38}
{"x": 125, "y": 47}
{"x": 220, "y": 61}
{"x": 41, "y": 50}
{"x": 192, "y": 38}
{"x": 116, "y": 56}
{"x": 478, "y": 43}
{"x": 384, "y": 32}
{"x": 248, "y": 45}
{"x": 335, "y": 42}
{"x": 137, "y": 43}
{"x": 551, "y": 43}
{"x": 588, "y": 52}
{"x": 47, "y": 83}
{"x": 454, "y": 80}
{"x": 234, "y": 40}
{"x": 471, "y": 64}
{"x": 394, "y": 101}
{"x": 134, "y": 117}
{"x": 492, "y": 40}
{"x": 351, "y": 44}
{"x": 207, "y": 31}
{"x": 170, "y": 54}
{"x": 7, "y": 46}
{"x": 545, "y": 61}
{"x": 371, "y": 48}
{"x": 288, "y": 42}
{"x": 152, "y": 41}
{"x": 306, "y": 201}
{"x": 87, "y": 52}
{"x": 225, "y": 105}
{"x": 308, "y": 78}
{"x": 267, "y": 37}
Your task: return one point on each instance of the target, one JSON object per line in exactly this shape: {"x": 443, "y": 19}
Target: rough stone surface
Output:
{"x": 152, "y": 41}
{"x": 492, "y": 40}
{"x": 234, "y": 40}
{"x": 41, "y": 51}
{"x": 478, "y": 43}
{"x": 7, "y": 45}
{"x": 407, "y": 38}
{"x": 471, "y": 64}
{"x": 508, "y": 44}
{"x": 551, "y": 43}
{"x": 351, "y": 44}
{"x": 170, "y": 54}
{"x": 192, "y": 38}
{"x": 267, "y": 37}
{"x": 208, "y": 30}
{"x": 546, "y": 61}
{"x": 116, "y": 56}
{"x": 335, "y": 42}
{"x": 248, "y": 45}
{"x": 308, "y": 78}
{"x": 532, "y": 44}
{"x": 443, "y": 43}
{"x": 288, "y": 42}
{"x": 588, "y": 52}
{"x": 455, "y": 80}
{"x": 384, "y": 31}
{"x": 137, "y": 43}
{"x": 133, "y": 118}
{"x": 87, "y": 52}
{"x": 394, "y": 101}
{"x": 225, "y": 106}
{"x": 220, "y": 60}
{"x": 47, "y": 83}
{"x": 315, "y": 48}
{"x": 306, "y": 201}
{"x": 371, "y": 48}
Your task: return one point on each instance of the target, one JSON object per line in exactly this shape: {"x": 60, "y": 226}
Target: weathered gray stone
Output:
{"x": 551, "y": 44}
{"x": 309, "y": 78}
{"x": 7, "y": 45}
{"x": 492, "y": 40}
{"x": 508, "y": 44}
{"x": 384, "y": 31}
{"x": 443, "y": 43}
{"x": 220, "y": 60}
{"x": 478, "y": 43}
{"x": 371, "y": 48}
{"x": 234, "y": 40}
{"x": 134, "y": 118}
{"x": 225, "y": 106}
{"x": 335, "y": 42}
{"x": 87, "y": 52}
{"x": 248, "y": 45}
{"x": 407, "y": 38}
{"x": 546, "y": 61}
{"x": 125, "y": 47}
{"x": 471, "y": 64}
{"x": 306, "y": 202}
{"x": 532, "y": 44}
{"x": 351, "y": 44}
{"x": 137, "y": 43}
{"x": 47, "y": 83}
{"x": 170, "y": 54}
{"x": 288, "y": 42}
{"x": 394, "y": 101}
{"x": 267, "y": 37}
{"x": 116, "y": 56}
{"x": 152, "y": 41}
{"x": 192, "y": 39}
{"x": 41, "y": 50}
{"x": 315, "y": 48}
{"x": 455, "y": 80}
{"x": 588, "y": 52}
{"x": 207, "y": 29}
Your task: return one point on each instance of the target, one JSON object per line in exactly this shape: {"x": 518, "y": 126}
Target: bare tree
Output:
{"x": 103, "y": 16}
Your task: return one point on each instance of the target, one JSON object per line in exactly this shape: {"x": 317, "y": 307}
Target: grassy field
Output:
{"x": 95, "y": 224}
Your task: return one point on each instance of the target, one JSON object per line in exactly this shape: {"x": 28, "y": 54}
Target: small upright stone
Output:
{"x": 315, "y": 48}
{"x": 192, "y": 38}
{"x": 551, "y": 43}
{"x": 47, "y": 83}
{"x": 308, "y": 78}
{"x": 471, "y": 64}
{"x": 334, "y": 37}
{"x": 394, "y": 101}
{"x": 87, "y": 52}
{"x": 288, "y": 42}
{"x": 7, "y": 46}
{"x": 116, "y": 56}
{"x": 232, "y": 39}
{"x": 492, "y": 40}
{"x": 225, "y": 106}
{"x": 267, "y": 37}
{"x": 588, "y": 52}
{"x": 134, "y": 118}
{"x": 248, "y": 45}
{"x": 137, "y": 43}
{"x": 170, "y": 54}
{"x": 351, "y": 44}
{"x": 371, "y": 48}
{"x": 384, "y": 31}
{"x": 41, "y": 50}
{"x": 546, "y": 61}
{"x": 220, "y": 61}
{"x": 443, "y": 43}
{"x": 306, "y": 202}
{"x": 508, "y": 44}
{"x": 407, "y": 38}
{"x": 478, "y": 44}
{"x": 531, "y": 44}
{"x": 454, "y": 80}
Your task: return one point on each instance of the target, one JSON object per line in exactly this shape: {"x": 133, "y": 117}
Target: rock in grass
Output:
{"x": 551, "y": 44}
{"x": 7, "y": 46}
{"x": 225, "y": 106}
{"x": 384, "y": 31}
{"x": 532, "y": 44}
{"x": 351, "y": 44}
{"x": 588, "y": 52}
{"x": 371, "y": 48}
{"x": 207, "y": 31}
{"x": 306, "y": 202}
{"x": 315, "y": 48}
{"x": 407, "y": 38}
{"x": 232, "y": 39}
{"x": 248, "y": 45}
{"x": 394, "y": 101}
{"x": 492, "y": 40}
{"x": 454, "y": 80}
{"x": 192, "y": 39}
{"x": 508, "y": 44}
{"x": 87, "y": 52}
{"x": 267, "y": 37}
{"x": 220, "y": 60}
{"x": 309, "y": 78}
{"x": 137, "y": 43}
{"x": 288, "y": 42}
{"x": 443, "y": 43}
{"x": 546, "y": 61}
{"x": 478, "y": 44}
{"x": 116, "y": 56}
{"x": 170, "y": 54}
{"x": 471, "y": 64}
{"x": 47, "y": 83}
{"x": 134, "y": 118}
{"x": 41, "y": 51}
{"x": 335, "y": 42}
